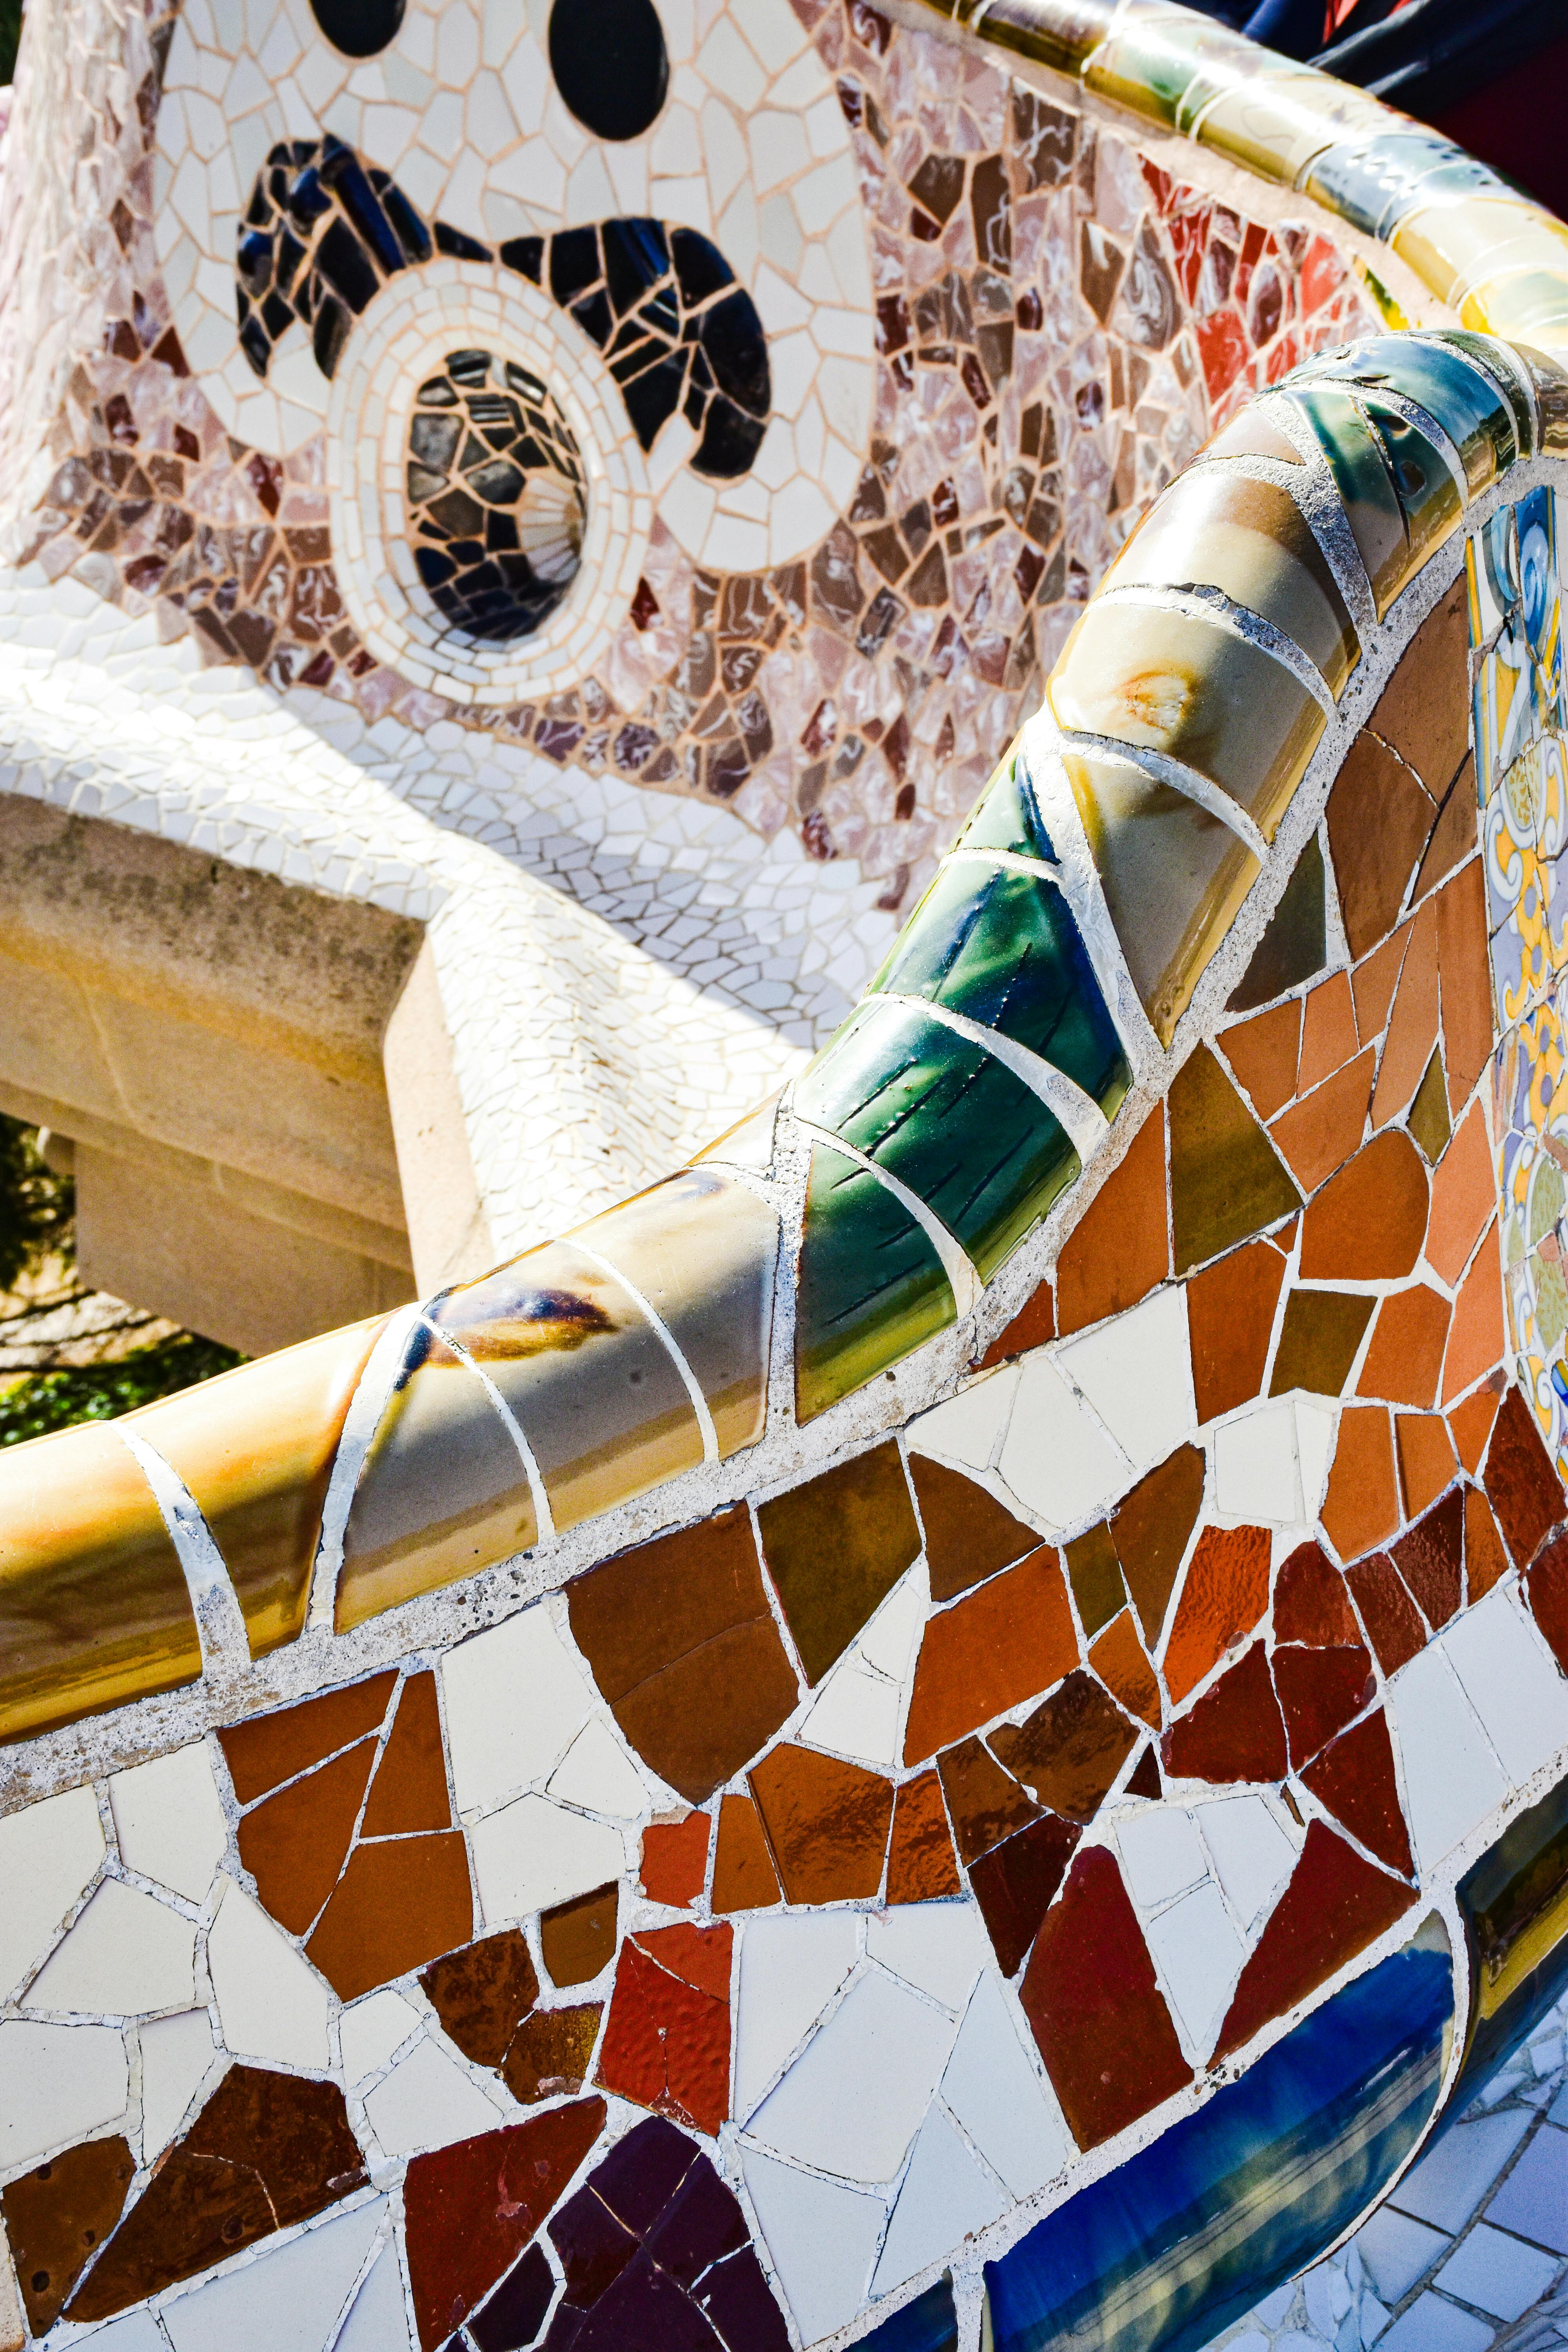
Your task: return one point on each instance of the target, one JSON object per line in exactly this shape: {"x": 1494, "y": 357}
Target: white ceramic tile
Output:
{"x": 378, "y": 2319}
{"x": 889, "y": 1641}
{"x": 790, "y": 1969}
{"x": 58, "y": 2083}
{"x": 373, "y": 2029}
{"x": 597, "y": 1774}
{"x": 533, "y": 1853}
{"x": 1056, "y": 1458}
{"x": 1315, "y": 1425}
{"x": 853, "y": 2100}
{"x": 515, "y": 1699}
{"x": 1137, "y": 1374}
{"x": 287, "y": 2301}
{"x": 1432, "y": 2325}
{"x": 1498, "y": 2273}
{"x": 967, "y": 1427}
{"x": 127, "y": 1953}
{"x": 177, "y": 2054}
{"x": 427, "y": 2101}
{"x": 1161, "y": 1855}
{"x": 994, "y": 2092}
{"x": 822, "y": 2238}
{"x": 48, "y": 1854}
{"x": 270, "y": 2001}
{"x": 856, "y": 1714}
{"x": 138, "y": 2331}
{"x": 1198, "y": 1951}
{"x": 1511, "y": 1680}
{"x": 1451, "y": 1779}
{"x": 1256, "y": 1474}
{"x": 1252, "y": 1855}
{"x": 169, "y": 1821}
{"x": 939, "y": 1947}
{"x": 1454, "y": 2178}
{"x": 945, "y": 2196}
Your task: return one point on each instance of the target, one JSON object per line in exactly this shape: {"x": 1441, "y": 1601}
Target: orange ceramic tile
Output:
{"x": 1012, "y": 1637}
{"x": 1361, "y": 1508}
{"x": 1412, "y": 1025}
{"x": 984, "y": 1803}
{"x": 1230, "y": 1321}
{"x": 1226, "y": 1183}
{"x": 700, "y": 1957}
{"x": 1328, "y": 1032}
{"x": 1486, "y": 1562}
{"x": 1095, "y": 1574}
{"x": 1368, "y": 1222}
{"x": 1310, "y": 1604}
{"x": 1355, "y": 1780}
{"x": 1430, "y": 1560}
{"x": 58, "y": 2215}
{"x": 675, "y": 1860}
{"x": 1151, "y": 1528}
{"x": 1068, "y": 1752}
{"x": 1380, "y": 820}
{"x": 1426, "y": 1462}
{"x": 1424, "y": 711}
{"x": 1522, "y": 1488}
{"x": 1405, "y": 1358}
{"x": 1335, "y": 1906}
{"x": 922, "y": 1868}
{"x": 827, "y": 1824}
{"x": 1224, "y": 1595}
{"x": 1320, "y": 1691}
{"x": 482, "y": 1994}
{"x": 578, "y": 1938}
{"x": 1393, "y": 1625}
{"x": 1096, "y": 2011}
{"x": 683, "y": 1645}
{"x": 1454, "y": 835}
{"x": 1476, "y": 1341}
{"x": 744, "y": 1878}
{"x": 1014, "y": 1884}
{"x": 409, "y": 1791}
{"x": 1234, "y": 1732}
{"x": 835, "y": 1547}
{"x": 1263, "y": 1053}
{"x": 295, "y": 1844}
{"x": 398, "y": 1904}
{"x": 270, "y": 1749}
{"x": 1034, "y": 1324}
{"x": 968, "y": 1534}
{"x": 1464, "y": 1195}
{"x": 1471, "y": 1422}
{"x": 550, "y": 2053}
{"x": 1319, "y": 1337}
{"x": 1372, "y": 985}
{"x": 1120, "y": 1247}
{"x": 1119, "y": 1659}
{"x": 1465, "y": 984}
{"x": 1319, "y": 1134}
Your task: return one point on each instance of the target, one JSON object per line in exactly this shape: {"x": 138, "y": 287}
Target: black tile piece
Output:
{"x": 515, "y": 2314}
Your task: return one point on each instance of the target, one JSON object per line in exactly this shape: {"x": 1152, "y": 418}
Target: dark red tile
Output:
{"x": 56, "y": 2216}
{"x": 1335, "y": 1906}
{"x": 1430, "y": 1558}
{"x": 1234, "y": 1732}
{"x": 1310, "y": 1604}
{"x": 469, "y": 2209}
{"x": 1144, "y": 1780}
{"x": 1014, "y": 1882}
{"x": 1355, "y": 1780}
{"x": 666, "y": 2040}
{"x": 1546, "y": 1587}
{"x": 1319, "y": 1692}
{"x": 1521, "y": 1486}
{"x": 482, "y": 1994}
{"x": 1393, "y": 1625}
{"x": 968, "y": 1534}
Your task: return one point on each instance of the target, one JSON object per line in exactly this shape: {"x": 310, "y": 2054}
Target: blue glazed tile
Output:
{"x": 1534, "y": 2200}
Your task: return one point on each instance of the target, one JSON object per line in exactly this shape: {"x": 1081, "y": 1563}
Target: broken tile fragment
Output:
{"x": 483, "y": 1994}
{"x": 666, "y": 2040}
{"x": 921, "y": 1862}
{"x": 1335, "y": 1906}
{"x": 1012, "y": 1637}
{"x": 968, "y": 1534}
{"x": 826, "y": 1823}
{"x": 469, "y": 2209}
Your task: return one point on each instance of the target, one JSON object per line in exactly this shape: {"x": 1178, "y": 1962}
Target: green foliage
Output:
{"x": 36, "y": 1205}
{"x": 42, "y": 1402}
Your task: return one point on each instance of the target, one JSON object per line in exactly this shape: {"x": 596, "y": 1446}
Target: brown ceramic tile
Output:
{"x": 1476, "y": 1339}
{"x": 1310, "y": 1603}
{"x": 1292, "y": 947}
{"x": 1034, "y": 1324}
{"x": 1424, "y": 711}
{"x": 1426, "y": 1462}
{"x": 1318, "y": 1340}
{"x": 1486, "y": 1562}
{"x": 1405, "y": 1358}
{"x": 482, "y": 1994}
{"x": 1380, "y": 820}
{"x": 1224, "y": 1595}
{"x": 397, "y": 1905}
{"x": 744, "y": 1874}
{"x": 550, "y": 2054}
{"x": 1355, "y": 1780}
{"x": 1151, "y": 1528}
{"x": 1430, "y": 1558}
{"x": 58, "y": 2215}
{"x": 1014, "y": 1882}
{"x": 1144, "y": 1779}
{"x": 1119, "y": 1659}
{"x": 1521, "y": 1486}
{"x": 267, "y": 2151}
{"x": 1119, "y": 1248}
{"x": 675, "y": 1860}
{"x": 920, "y": 1864}
{"x": 1464, "y": 1196}
{"x": 1263, "y": 1053}
{"x": 1095, "y": 1574}
{"x": 1465, "y": 984}
{"x": 969, "y": 1536}
{"x": 409, "y": 1791}
{"x": 1226, "y": 1183}
{"x": 578, "y": 1938}
{"x": 666, "y": 2038}
{"x": 827, "y": 1824}
{"x": 271, "y": 1748}
{"x": 1546, "y": 1587}
{"x": 1412, "y": 1025}
{"x": 1230, "y": 1321}
{"x": 1097, "y": 2013}
{"x": 1012, "y": 1637}
{"x": 1368, "y": 1222}
{"x": 1372, "y": 984}
{"x": 1361, "y": 1508}
{"x": 1335, "y": 1906}
{"x": 1233, "y": 1733}
{"x": 295, "y": 1844}
{"x": 1471, "y": 1422}
{"x": 986, "y": 1804}
{"x": 1320, "y": 1691}
{"x": 1319, "y": 1134}
{"x": 1454, "y": 835}
{"x": 1428, "y": 1119}
{"x": 1327, "y": 1033}
{"x": 683, "y": 1645}
{"x": 835, "y": 1547}
{"x": 1393, "y": 1626}
{"x": 1067, "y": 1753}
{"x": 470, "y": 2209}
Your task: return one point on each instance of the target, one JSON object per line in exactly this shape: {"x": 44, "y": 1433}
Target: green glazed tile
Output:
{"x": 870, "y": 1287}
{"x": 1427, "y": 489}
{"x": 1006, "y": 816}
{"x": 1360, "y": 469}
{"x": 1467, "y": 403}
{"x": 1486, "y": 355}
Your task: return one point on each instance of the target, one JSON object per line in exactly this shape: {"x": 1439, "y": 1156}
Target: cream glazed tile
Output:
{"x": 270, "y": 2001}
{"x": 994, "y": 2090}
{"x": 1198, "y": 1951}
{"x": 126, "y": 1954}
{"x": 533, "y": 1853}
{"x": 791, "y": 1967}
{"x": 968, "y": 1427}
{"x": 1256, "y": 1469}
{"x": 1252, "y": 1853}
{"x": 48, "y": 1853}
{"x": 946, "y": 2195}
{"x": 939, "y": 1947}
{"x": 178, "y": 2054}
{"x": 515, "y": 1698}
{"x": 373, "y": 2030}
{"x": 1511, "y": 1680}
{"x": 1056, "y": 1458}
{"x": 822, "y": 2236}
{"x": 853, "y": 2100}
{"x": 1161, "y": 1855}
{"x": 858, "y": 1713}
{"x": 597, "y": 1774}
{"x": 1452, "y": 1780}
{"x": 289, "y": 2300}
{"x": 58, "y": 2083}
{"x": 428, "y": 2100}
{"x": 169, "y": 1821}
{"x": 1136, "y": 1371}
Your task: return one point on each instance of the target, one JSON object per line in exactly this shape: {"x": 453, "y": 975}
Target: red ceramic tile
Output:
{"x": 409, "y": 1790}
{"x": 469, "y": 2209}
{"x": 921, "y": 1867}
{"x": 1547, "y": 1588}
{"x": 482, "y": 1994}
{"x": 1230, "y": 1321}
{"x": 1335, "y": 1906}
{"x": 1464, "y": 1196}
{"x": 1310, "y": 1604}
{"x": 1234, "y": 1732}
{"x": 1034, "y": 1324}
{"x": 1150, "y": 1530}
{"x": 1328, "y": 1032}
{"x": 1319, "y": 1133}
{"x": 1475, "y": 1341}
{"x": 667, "y": 2041}
{"x": 1486, "y": 1562}
{"x": 827, "y": 1824}
{"x": 1119, "y": 1248}
{"x": 1355, "y": 1780}
{"x": 398, "y": 1904}
{"x": 675, "y": 1860}
{"x": 1368, "y": 1222}
{"x": 744, "y": 1878}
{"x": 271, "y": 1748}
{"x": 1361, "y": 1508}
{"x": 56, "y": 2216}
{"x": 295, "y": 1844}
{"x": 1372, "y": 985}
{"x": 984, "y": 1803}
{"x": 1404, "y": 1358}
{"x": 1521, "y": 1486}
{"x": 1014, "y": 1884}
{"x": 1012, "y": 1637}
{"x": 1412, "y": 1025}
{"x": 1263, "y": 1054}
{"x": 1393, "y": 1625}
{"x": 835, "y": 1547}
{"x": 1068, "y": 1752}
{"x": 1430, "y": 1558}
{"x": 968, "y": 1534}
{"x": 1471, "y": 1422}
{"x": 1097, "y": 2013}
{"x": 1466, "y": 982}
{"x": 1224, "y": 1595}
{"x": 1379, "y": 822}
{"x": 1427, "y": 1460}
{"x": 1320, "y": 1691}
{"x": 1122, "y": 1665}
